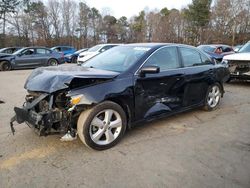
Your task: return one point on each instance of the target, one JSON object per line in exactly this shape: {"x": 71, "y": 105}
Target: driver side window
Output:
{"x": 165, "y": 58}
{"x": 28, "y": 52}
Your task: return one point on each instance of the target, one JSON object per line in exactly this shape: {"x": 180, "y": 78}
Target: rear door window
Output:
{"x": 192, "y": 57}
{"x": 41, "y": 51}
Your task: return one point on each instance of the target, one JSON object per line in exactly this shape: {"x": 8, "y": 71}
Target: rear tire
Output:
{"x": 5, "y": 66}
{"x": 102, "y": 126}
{"x": 213, "y": 97}
{"x": 52, "y": 62}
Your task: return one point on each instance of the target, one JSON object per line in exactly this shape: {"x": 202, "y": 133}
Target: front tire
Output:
{"x": 74, "y": 59}
{"x": 5, "y": 66}
{"x": 213, "y": 97}
{"x": 102, "y": 126}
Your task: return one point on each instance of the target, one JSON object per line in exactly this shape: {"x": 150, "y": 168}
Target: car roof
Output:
{"x": 108, "y": 44}
{"x": 215, "y": 45}
{"x": 62, "y": 46}
{"x": 155, "y": 45}
{"x": 35, "y": 47}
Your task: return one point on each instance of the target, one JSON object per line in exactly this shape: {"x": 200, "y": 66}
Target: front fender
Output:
{"x": 115, "y": 89}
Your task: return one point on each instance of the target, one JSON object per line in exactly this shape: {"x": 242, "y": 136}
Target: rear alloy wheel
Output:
{"x": 213, "y": 97}
{"x": 102, "y": 126}
{"x": 5, "y": 66}
{"x": 52, "y": 62}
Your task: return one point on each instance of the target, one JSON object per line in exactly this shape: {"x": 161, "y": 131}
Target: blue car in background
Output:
{"x": 72, "y": 58}
{"x": 216, "y": 51}
{"x": 64, "y": 49}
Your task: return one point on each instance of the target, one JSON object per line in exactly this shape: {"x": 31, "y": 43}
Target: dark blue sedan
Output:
{"x": 72, "y": 58}
{"x": 30, "y": 57}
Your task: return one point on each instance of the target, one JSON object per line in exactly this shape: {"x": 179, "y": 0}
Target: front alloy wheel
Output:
{"x": 5, "y": 66}
{"x": 102, "y": 126}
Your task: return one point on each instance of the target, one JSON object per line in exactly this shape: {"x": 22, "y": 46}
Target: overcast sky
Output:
{"x": 130, "y": 8}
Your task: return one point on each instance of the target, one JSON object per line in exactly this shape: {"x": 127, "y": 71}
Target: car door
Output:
{"x": 159, "y": 93}
{"x": 26, "y": 58}
{"x": 41, "y": 56}
{"x": 198, "y": 73}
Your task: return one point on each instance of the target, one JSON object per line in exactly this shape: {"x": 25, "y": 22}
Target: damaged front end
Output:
{"x": 51, "y": 106}
{"x": 47, "y": 113}
{"x": 239, "y": 69}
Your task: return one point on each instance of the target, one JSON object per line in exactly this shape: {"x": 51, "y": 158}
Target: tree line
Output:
{"x": 70, "y": 22}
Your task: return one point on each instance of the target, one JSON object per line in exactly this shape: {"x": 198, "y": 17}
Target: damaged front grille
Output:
{"x": 239, "y": 67}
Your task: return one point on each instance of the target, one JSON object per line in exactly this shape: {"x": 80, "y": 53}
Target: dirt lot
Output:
{"x": 193, "y": 149}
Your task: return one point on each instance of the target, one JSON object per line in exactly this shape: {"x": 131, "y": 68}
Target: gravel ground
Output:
{"x": 192, "y": 149}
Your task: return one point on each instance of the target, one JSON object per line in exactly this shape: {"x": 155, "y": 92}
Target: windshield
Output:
{"x": 245, "y": 48}
{"x": 94, "y": 48}
{"x": 117, "y": 59}
{"x": 79, "y": 51}
{"x": 18, "y": 51}
{"x": 207, "y": 48}
{"x": 3, "y": 49}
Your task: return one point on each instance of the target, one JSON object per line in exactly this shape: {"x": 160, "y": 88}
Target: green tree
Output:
{"x": 84, "y": 15}
{"x": 109, "y": 28}
{"x": 122, "y": 29}
{"x": 198, "y": 17}
{"x": 95, "y": 21}
{"x": 6, "y": 6}
{"x": 139, "y": 28}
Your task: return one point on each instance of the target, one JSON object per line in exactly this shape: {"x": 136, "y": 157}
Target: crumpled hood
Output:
{"x": 238, "y": 56}
{"x": 51, "y": 79}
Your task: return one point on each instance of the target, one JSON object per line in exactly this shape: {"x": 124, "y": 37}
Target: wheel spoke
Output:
{"x": 109, "y": 136}
{"x": 214, "y": 101}
{"x": 217, "y": 93}
{"x": 213, "y": 90}
{"x": 210, "y": 100}
{"x": 97, "y": 122}
{"x": 108, "y": 115}
{"x": 98, "y": 135}
{"x": 210, "y": 95}
{"x": 116, "y": 123}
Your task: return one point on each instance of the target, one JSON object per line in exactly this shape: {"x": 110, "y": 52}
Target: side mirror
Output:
{"x": 102, "y": 50}
{"x": 149, "y": 70}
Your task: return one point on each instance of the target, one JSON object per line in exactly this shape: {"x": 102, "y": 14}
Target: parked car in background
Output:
{"x": 64, "y": 49}
{"x": 72, "y": 58}
{"x": 217, "y": 51}
{"x": 239, "y": 63}
{"x": 119, "y": 88}
{"x": 9, "y": 50}
{"x": 95, "y": 50}
{"x": 30, "y": 57}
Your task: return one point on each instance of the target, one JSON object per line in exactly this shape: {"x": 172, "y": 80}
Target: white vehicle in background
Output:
{"x": 95, "y": 50}
{"x": 239, "y": 63}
